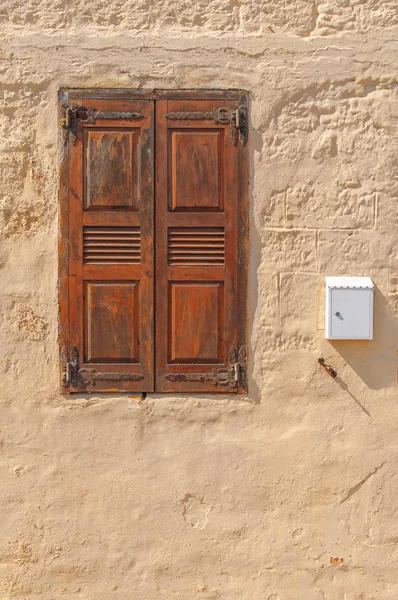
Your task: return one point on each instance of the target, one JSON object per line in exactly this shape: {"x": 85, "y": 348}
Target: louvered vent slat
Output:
{"x": 111, "y": 245}
{"x": 196, "y": 246}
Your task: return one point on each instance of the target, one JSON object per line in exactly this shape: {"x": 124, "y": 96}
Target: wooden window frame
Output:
{"x": 71, "y": 95}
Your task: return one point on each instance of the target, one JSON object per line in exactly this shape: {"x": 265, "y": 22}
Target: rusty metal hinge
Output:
{"x": 91, "y": 376}
{"x": 241, "y": 123}
{"x": 70, "y": 119}
{"x": 217, "y": 376}
{"x": 233, "y": 376}
{"x": 237, "y": 361}
{"x": 236, "y": 116}
{"x": 69, "y": 366}
{"x": 74, "y": 114}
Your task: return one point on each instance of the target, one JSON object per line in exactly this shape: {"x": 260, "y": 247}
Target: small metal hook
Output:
{"x": 327, "y": 367}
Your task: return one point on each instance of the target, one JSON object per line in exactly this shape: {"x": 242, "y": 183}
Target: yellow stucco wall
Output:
{"x": 290, "y": 493}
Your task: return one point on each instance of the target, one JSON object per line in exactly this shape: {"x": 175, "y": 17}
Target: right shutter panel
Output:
{"x": 200, "y": 321}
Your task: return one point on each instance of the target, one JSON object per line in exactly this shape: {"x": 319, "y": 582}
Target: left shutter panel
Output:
{"x": 110, "y": 248}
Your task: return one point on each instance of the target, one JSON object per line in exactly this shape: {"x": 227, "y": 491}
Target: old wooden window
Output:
{"x": 153, "y": 240}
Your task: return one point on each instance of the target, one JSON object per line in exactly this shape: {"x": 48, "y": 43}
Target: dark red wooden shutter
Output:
{"x": 201, "y": 225}
{"x": 107, "y": 253}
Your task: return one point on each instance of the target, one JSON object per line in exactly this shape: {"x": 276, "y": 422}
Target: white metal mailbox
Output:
{"x": 349, "y": 308}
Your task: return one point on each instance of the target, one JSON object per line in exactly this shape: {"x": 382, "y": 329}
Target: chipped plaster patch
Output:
{"x": 195, "y": 511}
{"x": 30, "y": 325}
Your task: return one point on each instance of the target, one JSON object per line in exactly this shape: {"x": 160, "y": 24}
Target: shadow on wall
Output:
{"x": 255, "y": 145}
{"x": 375, "y": 362}
{"x": 345, "y": 388}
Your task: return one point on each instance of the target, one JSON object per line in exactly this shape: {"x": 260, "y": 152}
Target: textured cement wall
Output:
{"x": 291, "y": 493}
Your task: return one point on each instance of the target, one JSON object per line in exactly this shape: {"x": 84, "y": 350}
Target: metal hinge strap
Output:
{"x": 232, "y": 377}
{"x": 91, "y": 376}
{"x": 236, "y": 116}
{"x": 75, "y": 114}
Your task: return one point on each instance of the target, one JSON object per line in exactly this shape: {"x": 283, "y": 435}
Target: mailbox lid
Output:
{"x": 349, "y": 308}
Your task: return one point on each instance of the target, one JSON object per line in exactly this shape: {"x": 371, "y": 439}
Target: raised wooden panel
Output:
{"x": 196, "y": 246}
{"x": 196, "y": 182}
{"x": 110, "y": 169}
{"x": 112, "y": 322}
{"x": 111, "y": 245}
{"x": 196, "y": 322}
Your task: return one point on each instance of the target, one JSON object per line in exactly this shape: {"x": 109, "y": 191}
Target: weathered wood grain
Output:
{"x": 197, "y": 247}
{"x": 109, "y": 236}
